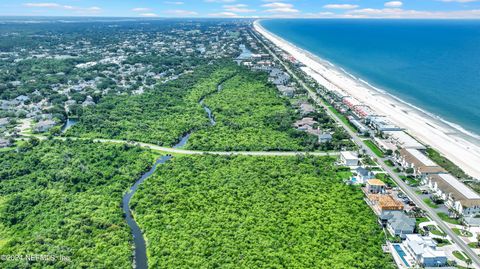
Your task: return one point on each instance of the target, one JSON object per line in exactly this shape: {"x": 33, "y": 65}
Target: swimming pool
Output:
{"x": 401, "y": 253}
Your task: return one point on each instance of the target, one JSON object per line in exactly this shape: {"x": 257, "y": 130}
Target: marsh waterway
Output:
{"x": 207, "y": 109}
{"x": 69, "y": 123}
{"x": 140, "y": 255}
{"x": 140, "y": 260}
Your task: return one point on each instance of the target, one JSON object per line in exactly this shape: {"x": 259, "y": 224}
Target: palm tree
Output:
{"x": 469, "y": 262}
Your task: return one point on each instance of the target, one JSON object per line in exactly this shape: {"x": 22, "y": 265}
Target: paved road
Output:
{"x": 197, "y": 152}
{"x": 408, "y": 191}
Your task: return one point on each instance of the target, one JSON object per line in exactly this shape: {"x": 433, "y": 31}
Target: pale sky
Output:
{"x": 246, "y": 8}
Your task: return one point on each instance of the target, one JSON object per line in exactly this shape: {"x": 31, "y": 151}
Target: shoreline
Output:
{"x": 459, "y": 145}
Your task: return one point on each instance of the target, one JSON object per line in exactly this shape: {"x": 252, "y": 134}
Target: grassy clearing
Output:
{"x": 446, "y": 218}
{"x": 389, "y": 163}
{"x": 461, "y": 232}
{"x": 435, "y": 230}
{"x": 473, "y": 245}
{"x": 374, "y": 148}
{"x": 342, "y": 118}
{"x": 430, "y": 203}
{"x": 461, "y": 256}
{"x": 441, "y": 242}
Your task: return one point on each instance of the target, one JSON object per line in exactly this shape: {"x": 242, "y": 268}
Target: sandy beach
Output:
{"x": 456, "y": 144}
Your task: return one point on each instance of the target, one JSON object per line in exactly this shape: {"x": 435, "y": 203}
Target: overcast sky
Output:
{"x": 246, "y": 8}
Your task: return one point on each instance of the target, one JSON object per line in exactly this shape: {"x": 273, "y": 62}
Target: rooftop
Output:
{"x": 459, "y": 191}
{"x": 386, "y": 202}
{"x": 376, "y": 182}
{"x": 421, "y": 157}
{"x": 348, "y": 155}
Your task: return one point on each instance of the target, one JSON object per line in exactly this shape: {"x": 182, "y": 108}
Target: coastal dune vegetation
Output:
{"x": 256, "y": 212}
{"x": 63, "y": 199}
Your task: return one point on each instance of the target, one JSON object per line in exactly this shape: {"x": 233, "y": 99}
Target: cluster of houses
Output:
{"x": 308, "y": 124}
{"x": 391, "y": 213}
{"x": 414, "y": 249}
{"x": 409, "y": 154}
{"x": 97, "y": 68}
{"x": 283, "y": 82}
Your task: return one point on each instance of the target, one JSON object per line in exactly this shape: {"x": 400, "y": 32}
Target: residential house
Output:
{"x": 305, "y": 124}
{"x": 456, "y": 195}
{"x": 362, "y": 175}
{"x": 404, "y": 140}
{"x": 22, "y": 98}
{"x": 286, "y": 90}
{"x": 349, "y": 158}
{"x": 360, "y": 127}
{"x": 398, "y": 223}
{"x": 306, "y": 108}
{"x": 424, "y": 250}
{"x": 88, "y": 101}
{"x": 324, "y": 138}
{"x": 385, "y": 144}
{"x": 382, "y": 203}
{"x": 376, "y": 186}
{"x": 4, "y": 122}
{"x": 281, "y": 79}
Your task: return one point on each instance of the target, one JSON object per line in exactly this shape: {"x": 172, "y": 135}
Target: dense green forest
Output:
{"x": 249, "y": 112}
{"x": 64, "y": 199}
{"x": 250, "y": 115}
{"x": 160, "y": 116}
{"x": 256, "y": 212}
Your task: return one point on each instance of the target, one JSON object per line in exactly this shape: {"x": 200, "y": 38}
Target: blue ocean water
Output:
{"x": 432, "y": 64}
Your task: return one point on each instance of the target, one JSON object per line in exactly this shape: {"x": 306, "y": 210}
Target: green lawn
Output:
{"x": 342, "y": 118}
{"x": 461, "y": 232}
{"x": 386, "y": 179}
{"x": 430, "y": 203}
{"x": 473, "y": 245}
{"x": 461, "y": 256}
{"x": 420, "y": 220}
{"x": 446, "y": 218}
{"x": 374, "y": 148}
{"x": 389, "y": 163}
{"x": 442, "y": 242}
{"x": 434, "y": 230}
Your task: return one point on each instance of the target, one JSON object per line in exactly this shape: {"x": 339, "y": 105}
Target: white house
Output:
{"x": 456, "y": 195}
{"x": 424, "y": 250}
{"x": 349, "y": 158}
{"x": 361, "y": 175}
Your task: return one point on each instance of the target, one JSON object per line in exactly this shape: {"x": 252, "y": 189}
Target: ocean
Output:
{"x": 431, "y": 64}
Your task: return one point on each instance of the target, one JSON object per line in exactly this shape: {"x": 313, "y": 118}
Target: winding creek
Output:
{"x": 140, "y": 260}
{"x": 207, "y": 109}
{"x": 69, "y": 123}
